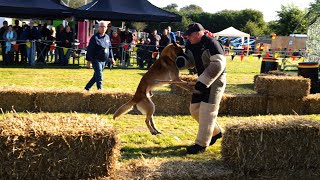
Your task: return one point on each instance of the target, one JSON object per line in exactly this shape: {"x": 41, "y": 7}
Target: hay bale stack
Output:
{"x": 288, "y": 143}
{"x": 107, "y": 102}
{"x": 272, "y": 73}
{"x": 48, "y": 146}
{"x": 170, "y": 104}
{"x": 246, "y": 104}
{"x": 62, "y": 101}
{"x": 312, "y": 103}
{"x": 283, "y": 105}
{"x": 283, "y": 86}
{"x": 17, "y": 99}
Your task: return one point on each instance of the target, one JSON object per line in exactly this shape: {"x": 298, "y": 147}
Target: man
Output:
{"x": 19, "y": 30}
{"x": 179, "y": 39}
{"x": 207, "y": 56}
{"x": 165, "y": 40}
{"x": 109, "y": 30}
{"x": 99, "y": 52}
{"x": 154, "y": 39}
{"x": 3, "y": 29}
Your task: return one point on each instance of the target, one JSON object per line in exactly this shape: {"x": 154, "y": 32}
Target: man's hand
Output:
{"x": 200, "y": 88}
{"x": 113, "y": 61}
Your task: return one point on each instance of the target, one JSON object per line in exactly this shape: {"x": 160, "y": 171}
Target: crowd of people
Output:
{"x": 17, "y": 48}
{"x": 22, "y": 36}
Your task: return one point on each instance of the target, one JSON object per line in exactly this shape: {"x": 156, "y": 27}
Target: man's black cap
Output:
{"x": 194, "y": 27}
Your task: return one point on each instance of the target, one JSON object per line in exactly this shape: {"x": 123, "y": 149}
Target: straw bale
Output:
{"x": 17, "y": 99}
{"x": 62, "y": 101}
{"x": 282, "y": 105}
{"x": 51, "y": 146}
{"x": 313, "y": 104}
{"x": 107, "y": 102}
{"x": 247, "y": 104}
{"x": 170, "y": 104}
{"x": 283, "y": 86}
{"x": 279, "y": 143}
{"x": 272, "y": 73}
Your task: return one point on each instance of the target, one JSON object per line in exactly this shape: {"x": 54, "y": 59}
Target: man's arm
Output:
{"x": 90, "y": 49}
{"x": 217, "y": 64}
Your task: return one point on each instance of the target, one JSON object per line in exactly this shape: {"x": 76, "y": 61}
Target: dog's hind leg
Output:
{"x": 146, "y": 106}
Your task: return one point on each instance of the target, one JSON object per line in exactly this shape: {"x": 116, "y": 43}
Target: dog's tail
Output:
{"x": 124, "y": 109}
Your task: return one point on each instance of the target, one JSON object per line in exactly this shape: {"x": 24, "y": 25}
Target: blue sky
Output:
{"x": 268, "y": 7}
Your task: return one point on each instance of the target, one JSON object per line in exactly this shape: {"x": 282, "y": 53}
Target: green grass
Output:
{"x": 240, "y": 77}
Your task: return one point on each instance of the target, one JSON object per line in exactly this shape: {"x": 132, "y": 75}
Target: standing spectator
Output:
{"x": 99, "y": 52}
{"x": 22, "y": 47}
{"x": 34, "y": 34}
{"x": 127, "y": 40}
{"x": 165, "y": 40}
{"x": 18, "y": 30}
{"x": 3, "y": 29}
{"x": 109, "y": 30}
{"x": 179, "y": 39}
{"x": 115, "y": 42}
{"x": 10, "y": 38}
{"x": 154, "y": 39}
{"x": 67, "y": 40}
{"x": 59, "y": 53}
{"x": 44, "y": 47}
{"x": 51, "y": 40}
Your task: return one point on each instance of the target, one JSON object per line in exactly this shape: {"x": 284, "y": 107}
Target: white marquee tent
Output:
{"x": 233, "y": 32}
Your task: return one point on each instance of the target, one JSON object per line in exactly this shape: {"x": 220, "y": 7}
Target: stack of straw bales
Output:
{"x": 18, "y": 99}
{"x": 288, "y": 143}
{"x": 312, "y": 103}
{"x": 285, "y": 93}
{"x": 47, "y": 146}
{"x": 246, "y": 104}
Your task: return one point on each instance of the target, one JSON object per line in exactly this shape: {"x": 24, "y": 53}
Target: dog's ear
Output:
{"x": 173, "y": 39}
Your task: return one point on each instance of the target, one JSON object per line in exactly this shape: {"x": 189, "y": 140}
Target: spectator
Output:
{"x": 10, "y": 38}
{"x": 18, "y": 30}
{"x": 99, "y": 53}
{"x": 127, "y": 39}
{"x": 59, "y": 53}
{"x": 179, "y": 39}
{"x": 115, "y": 42}
{"x": 165, "y": 40}
{"x": 44, "y": 47}
{"x": 3, "y": 29}
{"x": 51, "y": 40}
{"x": 109, "y": 30}
{"x": 67, "y": 40}
{"x": 34, "y": 34}
{"x": 154, "y": 39}
{"x": 22, "y": 47}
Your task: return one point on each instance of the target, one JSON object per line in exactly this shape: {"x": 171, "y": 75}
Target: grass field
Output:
{"x": 240, "y": 77}
{"x": 138, "y": 147}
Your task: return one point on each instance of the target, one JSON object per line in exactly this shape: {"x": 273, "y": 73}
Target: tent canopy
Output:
{"x": 125, "y": 10}
{"x": 231, "y": 32}
{"x": 47, "y": 9}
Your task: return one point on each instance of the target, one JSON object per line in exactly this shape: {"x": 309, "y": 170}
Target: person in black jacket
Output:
{"x": 99, "y": 52}
{"x": 18, "y": 29}
{"x": 66, "y": 41}
{"x": 165, "y": 40}
{"x": 3, "y": 29}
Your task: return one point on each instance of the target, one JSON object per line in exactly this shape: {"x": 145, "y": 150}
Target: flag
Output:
{"x": 241, "y": 57}
{"x": 276, "y": 55}
{"x": 250, "y": 57}
{"x": 294, "y": 58}
{"x": 52, "y": 46}
{"x": 65, "y": 50}
{"x": 232, "y": 56}
{"x": 16, "y": 47}
{"x": 28, "y": 44}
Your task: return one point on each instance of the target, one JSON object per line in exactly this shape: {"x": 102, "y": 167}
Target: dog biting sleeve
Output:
{"x": 216, "y": 66}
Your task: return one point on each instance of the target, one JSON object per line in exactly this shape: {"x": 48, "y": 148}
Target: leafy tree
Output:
{"x": 291, "y": 20}
{"x": 191, "y": 9}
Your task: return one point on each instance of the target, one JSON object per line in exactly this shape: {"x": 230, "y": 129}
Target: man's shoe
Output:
{"x": 195, "y": 149}
{"x": 215, "y": 138}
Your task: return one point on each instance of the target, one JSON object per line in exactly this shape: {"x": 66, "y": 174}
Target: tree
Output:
{"x": 291, "y": 20}
{"x": 314, "y": 12}
{"x": 75, "y": 3}
{"x": 139, "y": 26}
{"x": 171, "y": 8}
{"x": 192, "y": 8}
{"x": 253, "y": 29}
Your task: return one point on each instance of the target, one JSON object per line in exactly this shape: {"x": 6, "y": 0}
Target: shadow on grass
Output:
{"x": 128, "y": 153}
